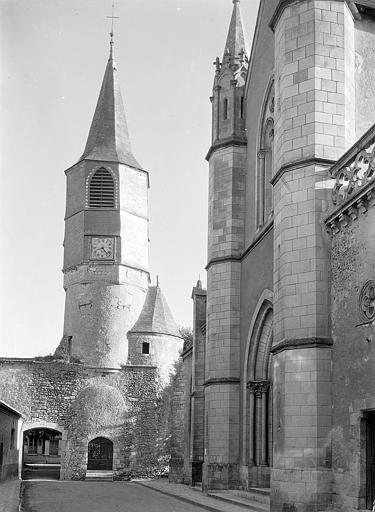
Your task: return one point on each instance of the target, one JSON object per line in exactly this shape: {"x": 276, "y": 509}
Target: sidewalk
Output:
{"x": 9, "y": 495}
{"x": 195, "y": 496}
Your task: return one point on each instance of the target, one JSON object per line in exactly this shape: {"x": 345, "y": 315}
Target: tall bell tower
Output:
{"x": 106, "y": 236}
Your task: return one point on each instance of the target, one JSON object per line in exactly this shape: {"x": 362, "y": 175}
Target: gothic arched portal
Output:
{"x": 257, "y": 445}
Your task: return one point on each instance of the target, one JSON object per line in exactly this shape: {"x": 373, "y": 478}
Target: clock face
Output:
{"x": 102, "y": 248}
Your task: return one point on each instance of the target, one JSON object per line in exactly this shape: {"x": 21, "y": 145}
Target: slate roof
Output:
{"x": 108, "y": 138}
{"x": 155, "y": 317}
{"x": 236, "y": 39}
{"x": 9, "y": 409}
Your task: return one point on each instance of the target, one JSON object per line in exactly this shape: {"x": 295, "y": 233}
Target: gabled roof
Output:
{"x": 236, "y": 40}
{"x": 108, "y": 138}
{"x": 9, "y": 409}
{"x": 155, "y": 317}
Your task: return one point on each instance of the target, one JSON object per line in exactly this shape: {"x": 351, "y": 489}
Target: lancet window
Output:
{"x": 264, "y": 201}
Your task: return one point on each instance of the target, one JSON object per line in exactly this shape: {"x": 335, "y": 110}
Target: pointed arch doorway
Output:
{"x": 100, "y": 454}
{"x": 258, "y": 411}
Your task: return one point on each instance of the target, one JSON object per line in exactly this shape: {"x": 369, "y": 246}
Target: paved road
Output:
{"x": 98, "y": 497}
{"x": 9, "y": 493}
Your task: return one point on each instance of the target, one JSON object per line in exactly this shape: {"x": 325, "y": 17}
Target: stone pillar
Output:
{"x": 264, "y": 393}
{"x": 222, "y": 385}
{"x": 199, "y": 297}
{"x": 251, "y": 459}
{"x": 314, "y": 125}
{"x": 258, "y": 427}
{"x": 258, "y": 422}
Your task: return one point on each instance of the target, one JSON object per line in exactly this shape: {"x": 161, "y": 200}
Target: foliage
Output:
{"x": 186, "y": 333}
{"x": 187, "y": 336}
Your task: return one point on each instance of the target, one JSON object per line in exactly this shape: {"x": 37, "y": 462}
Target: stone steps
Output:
{"x": 255, "y": 499}
{"x": 260, "y": 495}
{"x": 96, "y": 475}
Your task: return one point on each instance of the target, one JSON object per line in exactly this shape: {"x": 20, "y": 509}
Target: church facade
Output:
{"x": 279, "y": 377}
{"x": 91, "y": 408}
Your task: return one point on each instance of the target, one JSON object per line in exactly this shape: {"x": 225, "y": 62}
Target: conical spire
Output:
{"x": 108, "y": 138}
{"x": 236, "y": 44}
{"x": 156, "y": 317}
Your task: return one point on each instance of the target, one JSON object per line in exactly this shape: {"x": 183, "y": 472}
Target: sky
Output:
{"x": 53, "y": 56}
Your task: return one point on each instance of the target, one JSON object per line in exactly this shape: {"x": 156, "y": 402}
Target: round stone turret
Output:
{"x": 155, "y": 339}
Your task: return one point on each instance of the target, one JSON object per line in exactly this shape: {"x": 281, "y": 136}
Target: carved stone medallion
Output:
{"x": 367, "y": 301}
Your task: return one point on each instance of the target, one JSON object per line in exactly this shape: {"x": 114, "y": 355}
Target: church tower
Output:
{"x": 106, "y": 236}
{"x": 227, "y": 164}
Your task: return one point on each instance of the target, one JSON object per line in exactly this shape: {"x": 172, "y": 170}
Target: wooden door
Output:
{"x": 370, "y": 461}
{"x": 100, "y": 454}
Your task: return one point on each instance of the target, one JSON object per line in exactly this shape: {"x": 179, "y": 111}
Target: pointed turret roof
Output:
{"x": 156, "y": 317}
{"x": 236, "y": 42}
{"x": 108, "y": 138}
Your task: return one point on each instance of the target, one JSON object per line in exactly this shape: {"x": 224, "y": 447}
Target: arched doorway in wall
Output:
{"x": 41, "y": 453}
{"x": 100, "y": 454}
{"x": 258, "y": 413}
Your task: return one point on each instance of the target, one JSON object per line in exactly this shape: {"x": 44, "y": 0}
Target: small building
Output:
{"x": 10, "y": 426}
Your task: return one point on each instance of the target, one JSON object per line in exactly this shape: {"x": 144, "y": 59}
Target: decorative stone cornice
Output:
{"x": 221, "y": 380}
{"x": 304, "y": 162}
{"x": 298, "y": 343}
{"x": 283, "y": 4}
{"x": 354, "y": 190}
{"x": 220, "y": 144}
{"x": 258, "y": 387}
{"x": 223, "y": 259}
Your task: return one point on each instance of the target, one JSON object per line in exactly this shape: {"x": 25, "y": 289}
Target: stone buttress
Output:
{"x": 314, "y": 124}
{"x": 226, "y": 158}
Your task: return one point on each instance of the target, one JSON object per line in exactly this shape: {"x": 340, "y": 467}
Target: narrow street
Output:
{"x": 65, "y": 496}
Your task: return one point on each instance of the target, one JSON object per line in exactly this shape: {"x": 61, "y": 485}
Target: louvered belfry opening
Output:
{"x": 102, "y": 189}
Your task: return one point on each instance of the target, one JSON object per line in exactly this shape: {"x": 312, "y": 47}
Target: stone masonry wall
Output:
{"x": 353, "y": 264}
{"x": 86, "y": 403}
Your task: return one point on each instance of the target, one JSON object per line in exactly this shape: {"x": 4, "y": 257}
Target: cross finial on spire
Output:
{"x": 113, "y": 17}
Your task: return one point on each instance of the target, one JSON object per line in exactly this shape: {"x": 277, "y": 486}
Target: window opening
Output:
{"x": 242, "y": 108}
{"x": 102, "y": 189}
{"x": 32, "y": 445}
{"x": 12, "y": 437}
{"x": 264, "y": 198}
{"x": 145, "y": 348}
{"x": 225, "y": 108}
{"x": 54, "y": 447}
